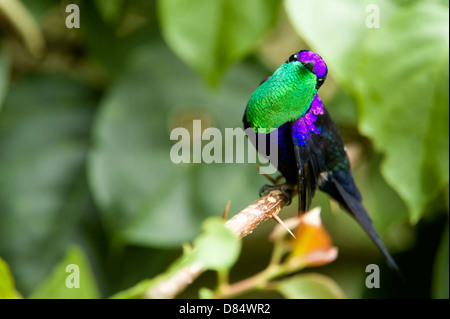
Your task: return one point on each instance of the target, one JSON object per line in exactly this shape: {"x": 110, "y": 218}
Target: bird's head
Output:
{"x": 313, "y": 62}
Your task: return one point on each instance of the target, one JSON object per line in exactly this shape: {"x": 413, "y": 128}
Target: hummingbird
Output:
{"x": 287, "y": 110}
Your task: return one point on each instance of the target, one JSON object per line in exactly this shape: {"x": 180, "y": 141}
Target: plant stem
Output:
{"x": 258, "y": 281}
{"x": 277, "y": 253}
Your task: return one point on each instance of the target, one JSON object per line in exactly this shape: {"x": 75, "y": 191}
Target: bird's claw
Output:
{"x": 285, "y": 189}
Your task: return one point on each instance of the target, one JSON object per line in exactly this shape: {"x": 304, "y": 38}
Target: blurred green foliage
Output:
{"x": 86, "y": 114}
{"x": 7, "y": 289}
{"x": 73, "y": 269}
{"x": 312, "y": 286}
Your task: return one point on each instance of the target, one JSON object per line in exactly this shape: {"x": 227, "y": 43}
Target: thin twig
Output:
{"x": 242, "y": 224}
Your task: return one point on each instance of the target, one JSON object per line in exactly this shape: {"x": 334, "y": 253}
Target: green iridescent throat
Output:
{"x": 285, "y": 97}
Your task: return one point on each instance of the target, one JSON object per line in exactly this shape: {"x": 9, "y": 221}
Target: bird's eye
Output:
{"x": 309, "y": 66}
{"x": 292, "y": 58}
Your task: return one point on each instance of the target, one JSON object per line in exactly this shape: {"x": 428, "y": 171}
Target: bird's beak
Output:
{"x": 309, "y": 66}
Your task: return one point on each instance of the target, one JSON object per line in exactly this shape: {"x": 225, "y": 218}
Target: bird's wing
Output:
{"x": 338, "y": 180}
{"x": 309, "y": 167}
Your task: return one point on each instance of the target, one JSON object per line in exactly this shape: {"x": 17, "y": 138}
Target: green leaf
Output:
{"x": 7, "y": 288}
{"x": 408, "y": 119}
{"x": 72, "y": 278}
{"x": 309, "y": 286}
{"x": 147, "y": 199}
{"x": 217, "y": 248}
{"x": 211, "y": 35}
{"x": 400, "y": 84}
{"x": 314, "y": 21}
{"x": 44, "y": 136}
{"x": 441, "y": 269}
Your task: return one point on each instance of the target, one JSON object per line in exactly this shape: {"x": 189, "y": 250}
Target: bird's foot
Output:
{"x": 274, "y": 181}
{"x": 278, "y": 179}
{"x": 286, "y": 189}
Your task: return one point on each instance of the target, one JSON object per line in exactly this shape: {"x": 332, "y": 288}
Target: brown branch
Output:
{"x": 242, "y": 224}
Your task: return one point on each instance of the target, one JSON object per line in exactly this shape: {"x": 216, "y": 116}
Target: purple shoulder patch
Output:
{"x": 305, "y": 127}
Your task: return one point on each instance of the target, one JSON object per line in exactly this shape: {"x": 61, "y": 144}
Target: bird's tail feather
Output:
{"x": 360, "y": 214}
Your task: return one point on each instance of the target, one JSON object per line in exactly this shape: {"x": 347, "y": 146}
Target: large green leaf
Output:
{"x": 145, "y": 198}
{"x": 44, "y": 134}
{"x": 72, "y": 278}
{"x": 211, "y": 35}
{"x": 404, "y": 104}
{"x": 400, "y": 83}
{"x": 345, "y": 20}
